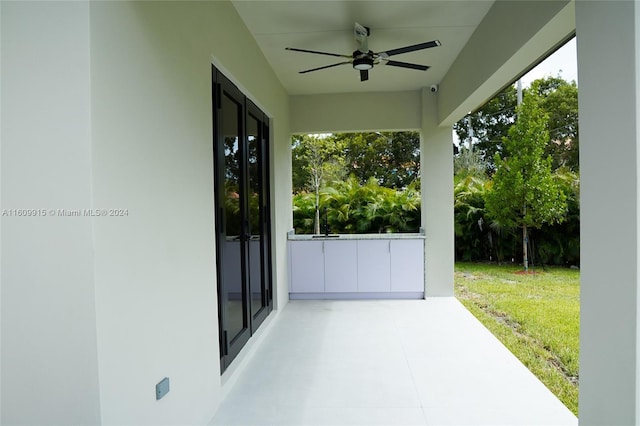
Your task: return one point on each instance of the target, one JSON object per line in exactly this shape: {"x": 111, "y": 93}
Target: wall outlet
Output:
{"x": 162, "y": 388}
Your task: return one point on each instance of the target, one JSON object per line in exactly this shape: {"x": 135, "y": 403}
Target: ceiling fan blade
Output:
{"x": 364, "y": 75}
{"x": 318, "y": 53}
{"x": 408, "y": 49}
{"x": 407, "y": 65}
{"x": 326, "y": 66}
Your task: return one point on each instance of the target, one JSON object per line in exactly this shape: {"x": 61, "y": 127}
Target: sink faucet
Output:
{"x": 326, "y": 222}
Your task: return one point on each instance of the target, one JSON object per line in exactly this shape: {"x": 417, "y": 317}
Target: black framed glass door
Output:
{"x": 258, "y": 215}
{"x": 241, "y": 135}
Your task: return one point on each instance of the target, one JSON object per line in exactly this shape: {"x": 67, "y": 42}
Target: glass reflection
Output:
{"x": 232, "y": 254}
{"x": 255, "y": 219}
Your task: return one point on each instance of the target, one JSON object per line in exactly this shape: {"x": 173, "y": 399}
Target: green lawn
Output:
{"x": 536, "y": 316}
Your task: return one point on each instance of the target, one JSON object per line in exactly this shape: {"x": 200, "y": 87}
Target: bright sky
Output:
{"x": 563, "y": 63}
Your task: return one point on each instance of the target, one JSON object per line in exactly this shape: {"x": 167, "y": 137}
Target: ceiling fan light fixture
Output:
{"x": 363, "y": 64}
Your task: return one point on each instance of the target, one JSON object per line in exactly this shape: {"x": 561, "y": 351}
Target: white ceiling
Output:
{"x": 328, "y": 26}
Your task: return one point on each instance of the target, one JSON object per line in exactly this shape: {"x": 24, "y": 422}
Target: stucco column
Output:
{"x": 436, "y": 171}
{"x": 608, "y": 71}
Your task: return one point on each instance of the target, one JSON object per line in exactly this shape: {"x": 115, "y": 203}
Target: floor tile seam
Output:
{"x": 424, "y": 414}
{"x": 482, "y": 405}
{"x": 347, "y": 406}
{"x": 408, "y": 364}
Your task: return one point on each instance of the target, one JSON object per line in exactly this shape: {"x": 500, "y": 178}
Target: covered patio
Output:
{"x": 384, "y": 362}
{"x": 109, "y": 106}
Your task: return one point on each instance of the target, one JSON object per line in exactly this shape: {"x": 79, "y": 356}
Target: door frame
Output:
{"x": 230, "y": 346}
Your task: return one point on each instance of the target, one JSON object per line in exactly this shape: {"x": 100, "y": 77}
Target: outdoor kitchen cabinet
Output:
{"x": 407, "y": 265}
{"x": 352, "y": 267}
{"x": 340, "y": 266}
{"x": 307, "y": 266}
{"x": 374, "y": 266}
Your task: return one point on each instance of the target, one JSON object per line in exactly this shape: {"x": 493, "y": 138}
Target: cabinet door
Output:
{"x": 307, "y": 267}
{"x": 340, "y": 266}
{"x": 407, "y": 265}
{"x": 374, "y": 266}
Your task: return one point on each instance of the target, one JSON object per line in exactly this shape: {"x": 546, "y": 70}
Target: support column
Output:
{"x": 436, "y": 171}
{"x": 608, "y": 70}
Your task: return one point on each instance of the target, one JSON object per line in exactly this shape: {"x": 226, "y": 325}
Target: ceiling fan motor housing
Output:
{"x": 362, "y": 61}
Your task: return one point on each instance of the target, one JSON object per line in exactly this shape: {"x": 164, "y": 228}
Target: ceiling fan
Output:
{"x": 364, "y": 59}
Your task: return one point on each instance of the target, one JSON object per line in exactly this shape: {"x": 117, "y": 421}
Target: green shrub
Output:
{"x": 352, "y": 208}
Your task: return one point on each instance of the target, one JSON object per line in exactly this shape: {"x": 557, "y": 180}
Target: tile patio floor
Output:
{"x": 387, "y": 362}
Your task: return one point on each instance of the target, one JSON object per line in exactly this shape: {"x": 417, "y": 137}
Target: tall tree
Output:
{"x": 524, "y": 192}
{"x": 317, "y": 160}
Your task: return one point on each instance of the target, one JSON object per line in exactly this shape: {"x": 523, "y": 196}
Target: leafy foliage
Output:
{"x": 481, "y": 236}
{"x": 488, "y": 125}
{"x": 317, "y": 161}
{"x": 472, "y": 241}
{"x": 559, "y": 99}
{"x": 525, "y": 194}
{"x": 379, "y": 196}
{"x": 559, "y": 243}
{"x": 524, "y": 191}
{"x": 469, "y": 162}
{"x": 392, "y": 158}
{"x": 353, "y": 208}
{"x": 381, "y": 193}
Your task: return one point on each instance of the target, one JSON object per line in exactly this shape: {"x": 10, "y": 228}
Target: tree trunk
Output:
{"x": 525, "y": 259}
{"x": 316, "y": 225}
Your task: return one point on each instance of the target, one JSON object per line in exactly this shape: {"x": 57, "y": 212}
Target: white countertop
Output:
{"x": 334, "y": 237}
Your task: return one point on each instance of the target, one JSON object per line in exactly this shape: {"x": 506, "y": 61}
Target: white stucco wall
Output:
{"x": 108, "y": 105}
{"x": 152, "y": 145}
{"x": 353, "y": 112}
{"x": 155, "y": 268}
{"x": 49, "y": 354}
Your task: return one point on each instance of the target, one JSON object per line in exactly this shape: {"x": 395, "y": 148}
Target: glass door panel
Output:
{"x": 242, "y": 206}
{"x": 232, "y": 249}
{"x": 229, "y": 152}
{"x": 257, "y": 281}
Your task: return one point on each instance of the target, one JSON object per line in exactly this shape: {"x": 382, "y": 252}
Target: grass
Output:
{"x": 536, "y": 316}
